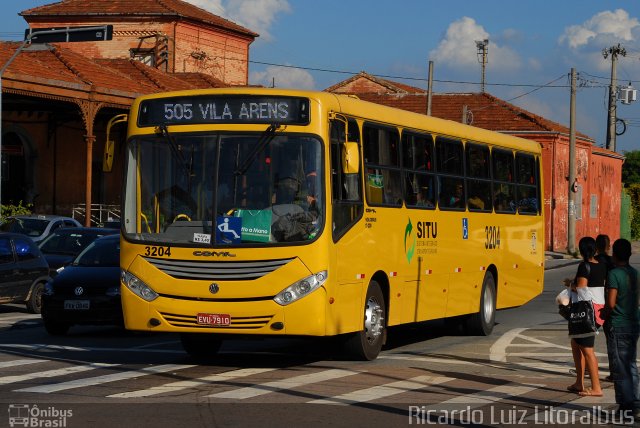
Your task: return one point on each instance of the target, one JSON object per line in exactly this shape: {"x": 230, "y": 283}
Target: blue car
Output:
{"x": 87, "y": 291}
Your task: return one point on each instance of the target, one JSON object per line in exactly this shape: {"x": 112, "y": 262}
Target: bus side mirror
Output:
{"x": 350, "y": 158}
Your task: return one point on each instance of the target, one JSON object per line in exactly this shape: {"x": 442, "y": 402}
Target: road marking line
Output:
{"x": 40, "y": 347}
{"x": 181, "y": 385}
{"x": 52, "y": 373}
{"x": 491, "y": 395}
{"x": 498, "y": 350}
{"x": 294, "y": 382}
{"x": 382, "y": 391}
{"x": 98, "y": 380}
{"x": 426, "y": 359}
{"x": 14, "y": 363}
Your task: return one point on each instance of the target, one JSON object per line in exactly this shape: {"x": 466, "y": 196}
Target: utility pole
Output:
{"x": 483, "y": 53}
{"x": 571, "y": 223}
{"x": 430, "y": 89}
{"x": 613, "y": 51}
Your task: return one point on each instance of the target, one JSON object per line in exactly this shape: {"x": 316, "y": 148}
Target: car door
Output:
{"x": 8, "y": 271}
{"x": 29, "y": 265}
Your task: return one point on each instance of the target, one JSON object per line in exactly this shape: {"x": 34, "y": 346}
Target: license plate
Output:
{"x": 214, "y": 319}
{"x": 76, "y": 305}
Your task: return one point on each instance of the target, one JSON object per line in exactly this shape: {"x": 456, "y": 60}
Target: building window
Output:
{"x": 145, "y": 56}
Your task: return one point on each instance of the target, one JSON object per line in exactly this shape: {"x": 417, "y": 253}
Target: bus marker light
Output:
{"x": 428, "y": 271}
{"x": 457, "y": 270}
{"x": 277, "y": 326}
{"x": 331, "y": 300}
{"x": 483, "y": 268}
{"x": 515, "y": 266}
{"x": 359, "y": 276}
{"x": 392, "y": 274}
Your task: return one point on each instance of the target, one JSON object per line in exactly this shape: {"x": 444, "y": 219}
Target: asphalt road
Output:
{"x": 427, "y": 373}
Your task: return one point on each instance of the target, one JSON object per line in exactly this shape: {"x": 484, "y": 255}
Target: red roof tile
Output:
{"x": 483, "y": 110}
{"x": 136, "y": 8}
{"x": 61, "y": 67}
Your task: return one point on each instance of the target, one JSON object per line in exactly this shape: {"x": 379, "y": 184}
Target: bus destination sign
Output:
{"x": 214, "y": 109}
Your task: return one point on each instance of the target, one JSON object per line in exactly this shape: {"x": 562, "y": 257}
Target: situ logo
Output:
{"x": 25, "y": 415}
{"x": 423, "y": 230}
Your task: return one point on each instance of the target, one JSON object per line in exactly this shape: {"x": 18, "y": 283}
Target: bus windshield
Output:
{"x": 263, "y": 187}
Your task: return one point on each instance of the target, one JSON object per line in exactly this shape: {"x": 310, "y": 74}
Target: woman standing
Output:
{"x": 587, "y": 285}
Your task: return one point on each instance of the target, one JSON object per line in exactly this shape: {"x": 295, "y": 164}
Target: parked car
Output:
{"x": 36, "y": 226}
{"x": 61, "y": 247}
{"x": 23, "y": 271}
{"x": 87, "y": 291}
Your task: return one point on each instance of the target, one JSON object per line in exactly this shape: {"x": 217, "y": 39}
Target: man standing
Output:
{"x": 622, "y": 328}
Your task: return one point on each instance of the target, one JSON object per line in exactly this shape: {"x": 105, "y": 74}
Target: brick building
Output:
{"x": 171, "y": 35}
{"x": 599, "y": 171}
{"x": 57, "y": 99}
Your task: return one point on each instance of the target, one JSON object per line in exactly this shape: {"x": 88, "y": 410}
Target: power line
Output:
{"x": 419, "y": 79}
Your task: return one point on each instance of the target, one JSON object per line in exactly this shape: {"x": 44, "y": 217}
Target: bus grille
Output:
{"x": 207, "y": 270}
{"x": 238, "y": 323}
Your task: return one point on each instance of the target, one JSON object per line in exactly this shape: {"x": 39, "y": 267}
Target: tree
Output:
{"x": 631, "y": 168}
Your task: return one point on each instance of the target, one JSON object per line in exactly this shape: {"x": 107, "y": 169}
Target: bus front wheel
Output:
{"x": 201, "y": 346}
{"x": 367, "y": 343}
{"x": 482, "y": 322}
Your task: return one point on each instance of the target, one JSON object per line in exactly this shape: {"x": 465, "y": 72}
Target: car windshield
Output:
{"x": 25, "y": 226}
{"x": 267, "y": 188}
{"x": 67, "y": 243}
{"x": 100, "y": 253}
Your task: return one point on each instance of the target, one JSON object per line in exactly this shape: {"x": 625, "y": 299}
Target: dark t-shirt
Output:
{"x": 596, "y": 277}
{"x": 606, "y": 260}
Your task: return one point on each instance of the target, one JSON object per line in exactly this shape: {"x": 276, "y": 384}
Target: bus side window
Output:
{"x": 503, "y": 183}
{"x": 382, "y": 161}
{"x": 527, "y": 195}
{"x": 345, "y": 188}
{"x": 478, "y": 177}
{"x": 450, "y": 169}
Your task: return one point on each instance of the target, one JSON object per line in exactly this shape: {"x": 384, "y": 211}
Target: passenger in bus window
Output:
{"x": 457, "y": 199}
{"x": 422, "y": 200}
{"x": 475, "y": 202}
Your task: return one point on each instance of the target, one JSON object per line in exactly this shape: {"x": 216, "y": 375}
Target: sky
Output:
{"x": 533, "y": 45}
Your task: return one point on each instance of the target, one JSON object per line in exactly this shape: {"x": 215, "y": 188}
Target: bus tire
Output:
{"x": 367, "y": 343}
{"x": 482, "y": 322}
{"x": 201, "y": 346}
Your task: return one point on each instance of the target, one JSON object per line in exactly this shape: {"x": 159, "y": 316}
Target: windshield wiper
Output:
{"x": 177, "y": 153}
{"x": 267, "y": 136}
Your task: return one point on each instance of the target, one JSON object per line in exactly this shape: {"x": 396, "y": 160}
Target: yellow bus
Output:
{"x": 254, "y": 211}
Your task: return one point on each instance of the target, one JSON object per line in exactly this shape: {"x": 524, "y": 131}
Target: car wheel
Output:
{"x": 34, "y": 302}
{"x": 201, "y": 346}
{"x": 367, "y": 343}
{"x": 55, "y": 328}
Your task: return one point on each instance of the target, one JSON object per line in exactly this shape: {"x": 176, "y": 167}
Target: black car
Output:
{"x": 23, "y": 271}
{"x": 62, "y": 246}
{"x": 87, "y": 291}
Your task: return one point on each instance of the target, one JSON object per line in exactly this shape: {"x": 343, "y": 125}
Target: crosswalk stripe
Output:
{"x": 98, "y": 380}
{"x": 382, "y": 391}
{"x": 14, "y": 363}
{"x": 491, "y": 395}
{"x": 181, "y": 385}
{"x": 52, "y": 373}
{"x": 294, "y": 382}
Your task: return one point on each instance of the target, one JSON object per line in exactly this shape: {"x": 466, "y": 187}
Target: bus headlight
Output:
{"x": 138, "y": 287}
{"x": 301, "y": 288}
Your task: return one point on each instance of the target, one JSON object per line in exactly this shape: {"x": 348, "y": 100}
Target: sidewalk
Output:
{"x": 554, "y": 260}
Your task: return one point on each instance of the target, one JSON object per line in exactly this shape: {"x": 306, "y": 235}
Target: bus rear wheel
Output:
{"x": 201, "y": 346}
{"x": 367, "y": 343}
{"x": 482, "y": 322}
